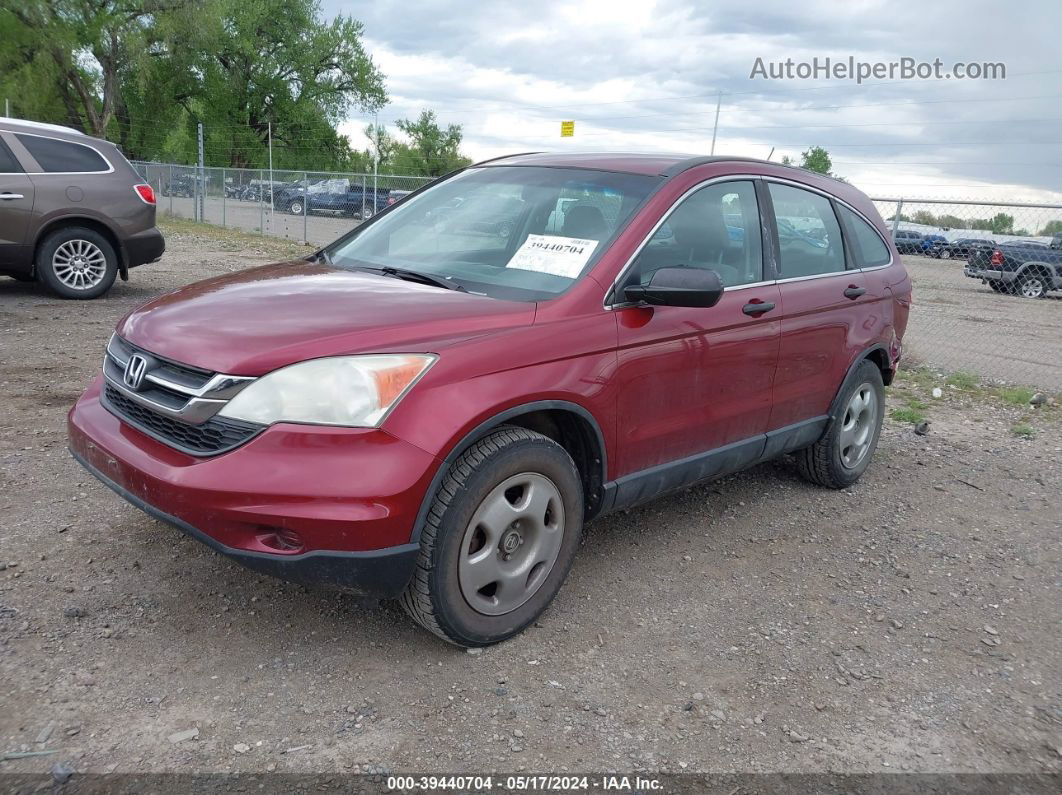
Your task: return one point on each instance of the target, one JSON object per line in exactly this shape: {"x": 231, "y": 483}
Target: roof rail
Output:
{"x": 40, "y": 125}
{"x": 503, "y": 157}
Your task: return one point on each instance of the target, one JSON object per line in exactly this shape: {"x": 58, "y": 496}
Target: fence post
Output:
{"x": 896, "y": 218}
{"x": 224, "y": 196}
{"x": 261, "y": 207}
{"x": 169, "y": 189}
{"x": 305, "y": 204}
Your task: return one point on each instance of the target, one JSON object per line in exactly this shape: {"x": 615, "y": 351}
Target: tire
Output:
{"x": 1031, "y": 285}
{"x": 945, "y": 253}
{"x": 829, "y": 462}
{"x": 77, "y": 262}
{"x": 366, "y": 213}
{"x": 459, "y": 548}
{"x": 295, "y": 208}
{"x": 996, "y": 286}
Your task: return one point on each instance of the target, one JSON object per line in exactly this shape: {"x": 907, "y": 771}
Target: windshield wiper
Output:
{"x": 421, "y": 278}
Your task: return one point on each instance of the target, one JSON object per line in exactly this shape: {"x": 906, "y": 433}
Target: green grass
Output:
{"x": 1023, "y": 430}
{"x": 1016, "y": 395}
{"x": 913, "y": 416}
{"x": 963, "y": 380}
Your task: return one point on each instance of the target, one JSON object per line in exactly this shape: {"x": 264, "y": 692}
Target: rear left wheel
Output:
{"x": 1032, "y": 285}
{"x": 77, "y": 262}
{"x": 844, "y": 452}
{"x": 499, "y": 539}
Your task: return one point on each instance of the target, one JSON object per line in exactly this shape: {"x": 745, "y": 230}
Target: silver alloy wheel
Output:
{"x": 511, "y": 544}
{"x": 945, "y": 253}
{"x": 858, "y": 425}
{"x": 79, "y": 264}
{"x": 1032, "y": 287}
{"x": 295, "y": 208}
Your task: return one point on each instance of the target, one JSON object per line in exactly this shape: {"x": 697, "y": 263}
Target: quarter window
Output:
{"x": 717, "y": 228}
{"x": 809, "y": 237}
{"x": 870, "y": 249}
{"x": 8, "y": 164}
{"x": 55, "y": 156}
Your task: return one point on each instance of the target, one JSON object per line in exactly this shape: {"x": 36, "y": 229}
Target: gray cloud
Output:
{"x": 644, "y": 75}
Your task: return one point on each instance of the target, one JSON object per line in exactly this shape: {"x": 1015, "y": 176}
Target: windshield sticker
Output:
{"x": 557, "y": 256}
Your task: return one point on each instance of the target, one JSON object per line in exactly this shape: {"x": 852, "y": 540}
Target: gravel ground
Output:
{"x": 757, "y": 623}
{"x": 958, "y": 323}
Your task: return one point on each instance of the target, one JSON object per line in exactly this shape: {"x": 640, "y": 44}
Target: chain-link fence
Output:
{"x": 311, "y": 206}
{"x": 976, "y": 266}
{"x": 979, "y": 269}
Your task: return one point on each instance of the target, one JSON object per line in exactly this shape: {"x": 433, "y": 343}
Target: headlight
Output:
{"x": 355, "y": 391}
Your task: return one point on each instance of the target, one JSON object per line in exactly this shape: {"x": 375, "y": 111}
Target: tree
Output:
{"x": 1051, "y": 228}
{"x": 431, "y": 151}
{"x": 816, "y": 159}
{"x": 144, "y": 72}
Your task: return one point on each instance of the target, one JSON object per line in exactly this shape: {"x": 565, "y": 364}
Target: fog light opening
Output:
{"x": 282, "y": 539}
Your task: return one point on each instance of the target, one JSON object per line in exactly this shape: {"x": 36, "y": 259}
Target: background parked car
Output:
{"x": 962, "y": 247}
{"x": 339, "y": 197}
{"x": 1019, "y": 268}
{"x": 907, "y": 241}
{"x": 74, "y": 214}
{"x": 930, "y": 245}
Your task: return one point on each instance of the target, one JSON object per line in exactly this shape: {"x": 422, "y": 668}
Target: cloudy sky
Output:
{"x": 645, "y": 75}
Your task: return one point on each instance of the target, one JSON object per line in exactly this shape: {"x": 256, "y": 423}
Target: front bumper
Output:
{"x": 351, "y": 495}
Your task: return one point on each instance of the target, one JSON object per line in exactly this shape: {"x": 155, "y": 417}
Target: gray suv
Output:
{"x": 74, "y": 214}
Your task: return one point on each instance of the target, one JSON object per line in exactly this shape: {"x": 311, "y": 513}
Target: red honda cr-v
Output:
{"x": 432, "y": 406}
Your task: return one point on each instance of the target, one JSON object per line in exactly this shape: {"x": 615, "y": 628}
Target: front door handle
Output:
{"x": 854, "y": 292}
{"x": 10, "y": 196}
{"x": 757, "y": 307}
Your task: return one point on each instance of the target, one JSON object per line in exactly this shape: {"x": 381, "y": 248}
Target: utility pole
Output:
{"x": 375, "y": 158}
{"x": 715, "y": 129}
{"x": 269, "y": 133}
{"x": 200, "y": 187}
{"x": 7, "y": 107}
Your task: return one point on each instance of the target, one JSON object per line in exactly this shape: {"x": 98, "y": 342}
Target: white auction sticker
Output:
{"x": 558, "y": 256}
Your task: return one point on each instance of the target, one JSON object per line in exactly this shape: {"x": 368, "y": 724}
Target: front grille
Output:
{"x": 216, "y": 435}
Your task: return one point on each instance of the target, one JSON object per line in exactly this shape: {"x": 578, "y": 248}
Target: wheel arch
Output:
{"x": 95, "y": 224}
{"x": 878, "y": 355}
{"x": 572, "y": 426}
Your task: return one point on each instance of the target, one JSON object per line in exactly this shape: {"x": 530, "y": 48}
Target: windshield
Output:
{"x": 514, "y": 232}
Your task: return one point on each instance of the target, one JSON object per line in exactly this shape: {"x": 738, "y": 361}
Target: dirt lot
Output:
{"x": 912, "y": 622}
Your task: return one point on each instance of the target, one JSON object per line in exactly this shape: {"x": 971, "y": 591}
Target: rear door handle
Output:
{"x": 757, "y": 307}
{"x": 10, "y": 196}
{"x": 854, "y": 292}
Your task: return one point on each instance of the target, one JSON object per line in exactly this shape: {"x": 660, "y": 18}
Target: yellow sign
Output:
{"x": 567, "y": 129}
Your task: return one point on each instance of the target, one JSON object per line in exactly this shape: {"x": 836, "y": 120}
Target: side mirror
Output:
{"x": 678, "y": 287}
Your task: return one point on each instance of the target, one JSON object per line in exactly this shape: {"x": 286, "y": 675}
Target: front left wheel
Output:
{"x": 499, "y": 539}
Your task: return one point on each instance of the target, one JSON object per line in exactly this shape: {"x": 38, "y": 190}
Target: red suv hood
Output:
{"x": 257, "y": 320}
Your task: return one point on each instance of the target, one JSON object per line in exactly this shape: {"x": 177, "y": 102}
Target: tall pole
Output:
{"x": 715, "y": 128}
{"x": 375, "y": 158}
{"x": 200, "y": 187}
{"x": 7, "y": 107}
{"x": 270, "y": 134}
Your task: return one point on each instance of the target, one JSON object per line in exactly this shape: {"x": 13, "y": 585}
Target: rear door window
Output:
{"x": 809, "y": 237}
{"x": 869, "y": 249}
{"x": 8, "y": 164}
{"x": 55, "y": 156}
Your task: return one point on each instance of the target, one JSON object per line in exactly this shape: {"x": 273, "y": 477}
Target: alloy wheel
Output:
{"x": 857, "y": 428}
{"x": 79, "y": 264}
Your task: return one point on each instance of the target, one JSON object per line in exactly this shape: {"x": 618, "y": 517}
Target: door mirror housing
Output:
{"x": 695, "y": 287}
